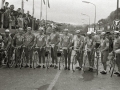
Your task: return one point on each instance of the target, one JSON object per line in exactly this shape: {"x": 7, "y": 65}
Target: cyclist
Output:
{"x": 54, "y": 41}
{"x": 40, "y": 42}
{"x": 104, "y": 51}
{"x": 7, "y": 40}
{"x": 89, "y": 50}
{"x": 29, "y": 44}
{"x": 19, "y": 41}
{"x": 1, "y": 49}
{"x": 66, "y": 42}
{"x": 78, "y": 47}
{"x": 116, "y": 48}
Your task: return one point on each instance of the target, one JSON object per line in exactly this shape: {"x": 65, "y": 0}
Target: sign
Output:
{"x": 116, "y": 24}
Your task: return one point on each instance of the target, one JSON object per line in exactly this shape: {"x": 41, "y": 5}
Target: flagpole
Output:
{"x": 33, "y": 17}
{"x": 41, "y": 11}
{"x": 22, "y": 6}
{"x": 46, "y": 14}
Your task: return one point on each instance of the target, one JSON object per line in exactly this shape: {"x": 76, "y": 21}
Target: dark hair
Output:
{"x": 6, "y": 3}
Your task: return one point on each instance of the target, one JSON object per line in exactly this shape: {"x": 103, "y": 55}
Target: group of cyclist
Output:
{"x": 79, "y": 44}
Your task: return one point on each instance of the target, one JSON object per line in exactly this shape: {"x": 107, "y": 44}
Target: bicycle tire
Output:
{"x": 73, "y": 63}
{"x": 35, "y": 59}
{"x": 22, "y": 60}
{"x": 12, "y": 61}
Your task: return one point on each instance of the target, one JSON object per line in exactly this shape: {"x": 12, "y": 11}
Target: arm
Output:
{"x": 58, "y": 39}
{"x": 34, "y": 39}
{"x": 2, "y": 34}
{"x": 9, "y": 43}
{"x": 44, "y": 39}
{"x": 107, "y": 46}
{"x": 70, "y": 43}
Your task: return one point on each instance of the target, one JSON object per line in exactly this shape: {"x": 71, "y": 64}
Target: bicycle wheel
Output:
{"x": 12, "y": 61}
{"x": 47, "y": 59}
{"x": 73, "y": 63}
{"x": 22, "y": 60}
{"x": 35, "y": 60}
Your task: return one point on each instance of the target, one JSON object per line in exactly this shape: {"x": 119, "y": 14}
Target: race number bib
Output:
{"x": 28, "y": 38}
{"x": 41, "y": 38}
{"x": 66, "y": 39}
{"x": 20, "y": 38}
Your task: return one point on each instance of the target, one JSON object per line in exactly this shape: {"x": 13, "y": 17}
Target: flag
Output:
{"x": 44, "y": 1}
{"x": 48, "y": 4}
{"x": 3, "y": 1}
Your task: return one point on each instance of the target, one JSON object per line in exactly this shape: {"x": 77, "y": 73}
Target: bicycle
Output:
{"x": 35, "y": 56}
{"x": 48, "y": 54}
{"x": 114, "y": 62}
{"x": 61, "y": 55}
{"x": 12, "y": 59}
{"x": 97, "y": 56}
{"x": 74, "y": 61}
{"x": 22, "y": 58}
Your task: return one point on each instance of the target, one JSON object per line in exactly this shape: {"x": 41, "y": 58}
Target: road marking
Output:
{"x": 54, "y": 80}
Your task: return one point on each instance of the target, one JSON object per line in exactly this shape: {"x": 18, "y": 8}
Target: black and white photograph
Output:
{"x": 59, "y": 44}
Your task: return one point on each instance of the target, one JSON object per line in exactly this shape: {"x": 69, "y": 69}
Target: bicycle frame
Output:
{"x": 48, "y": 56}
{"x": 114, "y": 62}
{"x": 74, "y": 61}
{"x": 12, "y": 60}
{"x": 97, "y": 58}
{"x": 35, "y": 57}
{"x": 22, "y": 57}
{"x": 61, "y": 57}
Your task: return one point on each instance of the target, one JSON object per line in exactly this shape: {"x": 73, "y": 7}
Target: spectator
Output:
{"x": 6, "y": 6}
{"x": 20, "y": 20}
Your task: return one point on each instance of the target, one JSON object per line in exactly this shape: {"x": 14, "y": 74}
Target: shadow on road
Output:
{"x": 44, "y": 87}
{"x": 88, "y": 76}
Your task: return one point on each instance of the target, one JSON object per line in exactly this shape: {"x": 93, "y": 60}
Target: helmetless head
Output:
{"x": 41, "y": 30}
{"x": 29, "y": 30}
{"x": 116, "y": 34}
{"x": 78, "y": 33}
{"x": 102, "y": 34}
{"x": 7, "y": 32}
{"x": 89, "y": 34}
{"x": 66, "y": 31}
{"x": 6, "y": 4}
{"x": 20, "y": 31}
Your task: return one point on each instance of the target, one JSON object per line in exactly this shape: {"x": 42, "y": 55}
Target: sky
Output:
{"x": 69, "y": 11}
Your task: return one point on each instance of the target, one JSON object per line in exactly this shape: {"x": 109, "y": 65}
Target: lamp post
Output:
{"x": 88, "y": 17}
{"x": 95, "y": 11}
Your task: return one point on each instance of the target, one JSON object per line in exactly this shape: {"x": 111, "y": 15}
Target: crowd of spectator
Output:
{"x": 13, "y": 19}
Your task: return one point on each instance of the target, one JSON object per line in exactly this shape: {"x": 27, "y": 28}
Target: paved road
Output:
{"x": 52, "y": 79}
{"x": 43, "y": 79}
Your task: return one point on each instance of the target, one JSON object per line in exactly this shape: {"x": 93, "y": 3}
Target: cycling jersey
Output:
{"x": 96, "y": 38}
{"x": 7, "y": 41}
{"x": 40, "y": 40}
{"x": 29, "y": 40}
{"x": 78, "y": 41}
{"x": 54, "y": 37}
{"x": 66, "y": 40}
{"x": 19, "y": 39}
{"x": 89, "y": 43}
{"x": 104, "y": 43}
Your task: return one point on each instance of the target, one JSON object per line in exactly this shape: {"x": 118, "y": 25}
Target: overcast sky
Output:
{"x": 69, "y": 11}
